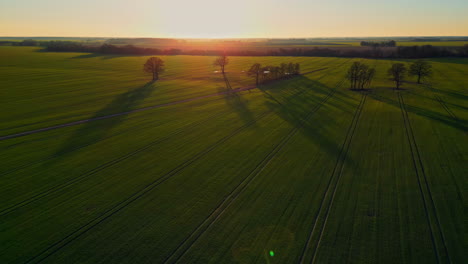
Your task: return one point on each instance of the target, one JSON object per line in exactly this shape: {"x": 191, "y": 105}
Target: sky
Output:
{"x": 233, "y": 18}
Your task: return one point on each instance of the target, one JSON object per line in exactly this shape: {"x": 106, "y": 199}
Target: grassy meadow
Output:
{"x": 303, "y": 168}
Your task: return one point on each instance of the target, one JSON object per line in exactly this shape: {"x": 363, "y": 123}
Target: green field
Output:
{"x": 296, "y": 171}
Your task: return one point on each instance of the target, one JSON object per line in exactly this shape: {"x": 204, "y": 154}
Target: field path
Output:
{"x": 329, "y": 195}
{"x": 25, "y": 133}
{"x": 438, "y": 238}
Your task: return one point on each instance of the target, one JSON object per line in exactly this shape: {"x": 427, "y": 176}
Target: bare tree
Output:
{"x": 297, "y": 68}
{"x": 369, "y": 76}
{"x": 398, "y": 73}
{"x": 155, "y": 66}
{"x": 360, "y": 75}
{"x": 255, "y": 70}
{"x": 421, "y": 69}
{"x": 352, "y": 74}
{"x": 221, "y": 61}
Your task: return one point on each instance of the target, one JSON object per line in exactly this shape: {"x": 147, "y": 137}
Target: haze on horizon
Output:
{"x": 233, "y": 19}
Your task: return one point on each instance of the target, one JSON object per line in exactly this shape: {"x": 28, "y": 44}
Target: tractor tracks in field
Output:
{"x": 437, "y": 235}
{"x": 441, "y": 102}
{"x": 119, "y": 114}
{"x": 35, "y": 131}
{"x": 51, "y": 157}
{"x": 228, "y": 200}
{"x": 123, "y": 204}
{"x": 135, "y": 196}
{"x": 101, "y": 167}
{"x": 323, "y": 212}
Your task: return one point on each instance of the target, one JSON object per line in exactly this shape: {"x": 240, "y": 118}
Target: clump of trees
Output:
{"x": 360, "y": 75}
{"x": 390, "y": 43}
{"x": 155, "y": 66}
{"x": 269, "y": 73}
{"x": 397, "y": 73}
{"x": 221, "y": 61}
{"x": 26, "y": 42}
{"x": 421, "y": 69}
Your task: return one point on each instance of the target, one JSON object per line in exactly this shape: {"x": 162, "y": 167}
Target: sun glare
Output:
{"x": 203, "y": 19}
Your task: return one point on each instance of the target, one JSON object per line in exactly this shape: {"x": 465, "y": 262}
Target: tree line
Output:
{"x": 262, "y": 74}
{"x": 425, "y": 51}
{"x": 361, "y": 75}
{"x": 267, "y": 73}
{"x": 390, "y": 43}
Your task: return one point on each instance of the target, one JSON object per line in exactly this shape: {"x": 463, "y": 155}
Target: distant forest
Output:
{"x": 368, "y": 50}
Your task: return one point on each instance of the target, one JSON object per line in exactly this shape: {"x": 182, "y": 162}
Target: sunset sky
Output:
{"x": 235, "y": 18}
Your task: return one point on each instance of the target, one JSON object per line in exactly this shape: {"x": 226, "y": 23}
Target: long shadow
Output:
{"x": 93, "y": 131}
{"x": 236, "y": 102}
{"x": 295, "y": 107}
{"x": 424, "y": 112}
{"x": 444, "y": 93}
{"x": 103, "y": 56}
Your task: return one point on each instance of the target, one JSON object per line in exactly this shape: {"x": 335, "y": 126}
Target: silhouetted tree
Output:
{"x": 368, "y": 77}
{"x": 360, "y": 75}
{"x": 221, "y": 61}
{"x": 155, "y": 66}
{"x": 421, "y": 69}
{"x": 397, "y": 73}
{"x": 284, "y": 69}
{"x": 255, "y": 70}
{"x": 297, "y": 68}
{"x": 353, "y": 74}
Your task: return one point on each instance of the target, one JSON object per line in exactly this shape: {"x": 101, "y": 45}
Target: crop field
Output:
{"x": 99, "y": 165}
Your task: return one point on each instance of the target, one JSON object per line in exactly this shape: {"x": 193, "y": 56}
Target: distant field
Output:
{"x": 302, "y": 168}
{"x": 433, "y": 43}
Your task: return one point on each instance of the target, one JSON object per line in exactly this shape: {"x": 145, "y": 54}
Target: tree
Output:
{"x": 255, "y": 70}
{"x": 353, "y": 74}
{"x": 284, "y": 70}
{"x": 398, "y": 73}
{"x": 360, "y": 75}
{"x": 297, "y": 68}
{"x": 221, "y": 61}
{"x": 155, "y": 66}
{"x": 421, "y": 69}
{"x": 368, "y": 78}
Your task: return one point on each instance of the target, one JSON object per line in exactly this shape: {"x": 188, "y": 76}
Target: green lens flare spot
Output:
{"x": 272, "y": 254}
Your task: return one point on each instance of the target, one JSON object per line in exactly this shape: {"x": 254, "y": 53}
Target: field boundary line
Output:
{"x": 332, "y": 186}
{"x": 428, "y": 202}
{"x": 30, "y": 132}
{"x": 135, "y": 196}
{"x": 189, "y": 241}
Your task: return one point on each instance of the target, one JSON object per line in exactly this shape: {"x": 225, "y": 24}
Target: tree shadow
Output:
{"x": 87, "y": 56}
{"x": 423, "y": 112}
{"x": 296, "y": 107}
{"x": 463, "y": 61}
{"x": 103, "y": 56}
{"x": 95, "y": 130}
{"x": 236, "y": 102}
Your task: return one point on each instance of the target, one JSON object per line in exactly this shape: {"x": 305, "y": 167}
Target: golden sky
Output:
{"x": 235, "y": 19}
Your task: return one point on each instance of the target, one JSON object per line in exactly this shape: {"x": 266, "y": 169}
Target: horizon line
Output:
{"x": 329, "y": 37}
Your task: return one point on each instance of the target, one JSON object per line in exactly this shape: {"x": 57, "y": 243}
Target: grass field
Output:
{"x": 303, "y": 168}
